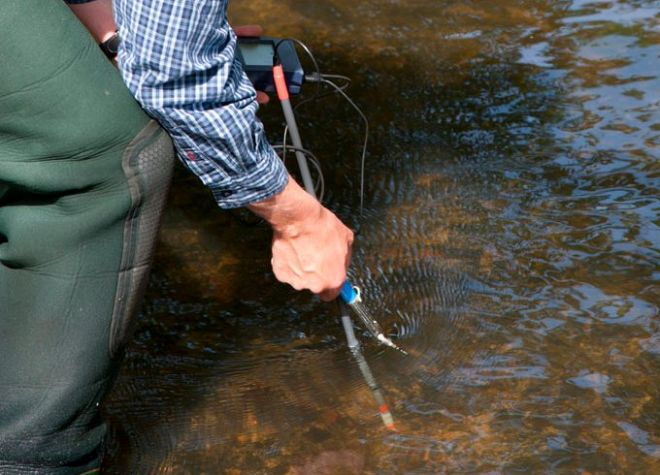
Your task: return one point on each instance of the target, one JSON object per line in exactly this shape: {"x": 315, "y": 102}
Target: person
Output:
{"x": 84, "y": 171}
{"x": 170, "y": 50}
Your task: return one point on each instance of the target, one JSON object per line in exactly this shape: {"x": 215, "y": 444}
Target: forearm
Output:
{"x": 180, "y": 64}
{"x": 97, "y": 18}
{"x": 287, "y": 210}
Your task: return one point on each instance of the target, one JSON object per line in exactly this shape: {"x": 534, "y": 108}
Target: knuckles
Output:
{"x": 317, "y": 263}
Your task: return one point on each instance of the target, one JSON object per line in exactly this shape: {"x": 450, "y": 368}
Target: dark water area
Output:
{"x": 510, "y": 241}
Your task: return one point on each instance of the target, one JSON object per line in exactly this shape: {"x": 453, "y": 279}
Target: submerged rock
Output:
{"x": 334, "y": 462}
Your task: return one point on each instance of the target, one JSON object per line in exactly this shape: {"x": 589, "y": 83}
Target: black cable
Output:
{"x": 366, "y": 137}
{"x": 306, "y": 49}
{"x": 276, "y": 60}
{"x": 316, "y": 97}
{"x": 319, "y": 186}
{"x": 320, "y": 78}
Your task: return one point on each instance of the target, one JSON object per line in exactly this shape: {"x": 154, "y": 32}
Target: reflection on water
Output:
{"x": 510, "y": 241}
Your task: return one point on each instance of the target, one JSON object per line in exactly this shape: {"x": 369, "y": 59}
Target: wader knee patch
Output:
{"x": 147, "y": 164}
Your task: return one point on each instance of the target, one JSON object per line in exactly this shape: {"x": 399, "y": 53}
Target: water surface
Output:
{"x": 510, "y": 240}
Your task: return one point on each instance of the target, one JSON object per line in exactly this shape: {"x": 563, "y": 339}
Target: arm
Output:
{"x": 311, "y": 246}
{"x": 96, "y": 15}
{"x": 178, "y": 60}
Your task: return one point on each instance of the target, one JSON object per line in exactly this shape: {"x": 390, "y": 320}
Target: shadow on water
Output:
{"x": 508, "y": 240}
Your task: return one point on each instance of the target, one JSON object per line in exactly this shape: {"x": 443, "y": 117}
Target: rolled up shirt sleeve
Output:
{"x": 178, "y": 59}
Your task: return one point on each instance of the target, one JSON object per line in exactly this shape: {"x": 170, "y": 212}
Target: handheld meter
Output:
{"x": 258, "y": 57}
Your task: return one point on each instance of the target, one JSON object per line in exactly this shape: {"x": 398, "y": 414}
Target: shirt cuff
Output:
{"x": 267, "y": 178}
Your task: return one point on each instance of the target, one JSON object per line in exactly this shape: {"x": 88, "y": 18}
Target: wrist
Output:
{"x": 291, "y": 211}
{"x": 110, "y": 46}
{"x": 107, "y": 36}
{"x": 97, "y": 17}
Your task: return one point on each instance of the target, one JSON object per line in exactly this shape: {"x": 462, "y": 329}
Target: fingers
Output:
{"x": 248, "y": 30}
{"x": 349, "y": 252}
{"x": 262, "y": 98}
{"x": 329, "y": 295}
{"x": 319, "y": 284}
{"x": 317, "y": 264}
{"x": 311, "y": 247}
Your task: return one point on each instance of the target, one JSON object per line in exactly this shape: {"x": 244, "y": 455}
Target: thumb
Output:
{"x": 249, "y": 30}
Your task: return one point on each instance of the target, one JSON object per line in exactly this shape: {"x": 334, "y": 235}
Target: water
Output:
{"x": 509, "y": 242}
{"x": 371, "y": 324}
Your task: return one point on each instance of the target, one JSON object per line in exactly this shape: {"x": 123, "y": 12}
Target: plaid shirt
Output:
{"x": 177, "y": 58}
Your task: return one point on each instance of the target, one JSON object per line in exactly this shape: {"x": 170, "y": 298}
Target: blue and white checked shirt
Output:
{"x": 177, "y": 58}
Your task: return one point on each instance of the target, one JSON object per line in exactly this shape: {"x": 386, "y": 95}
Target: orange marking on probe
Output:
{"x": 280, "y": 83}
{"x": 386, "y": 415}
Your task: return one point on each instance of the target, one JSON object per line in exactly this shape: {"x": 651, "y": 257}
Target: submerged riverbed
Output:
{"x": 510, "y": 240}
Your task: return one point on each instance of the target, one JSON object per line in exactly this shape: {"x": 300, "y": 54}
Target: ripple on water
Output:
{"x": 651, "y": 344}
{"x": 589, "y": 302}
{"x": 596, "y": 381}
{"x": 509, "y": 241}
{"x": 641, "y": 438}
{"x": 418, "y": 443}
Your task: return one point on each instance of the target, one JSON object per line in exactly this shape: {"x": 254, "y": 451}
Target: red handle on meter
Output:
{"x": 280, "y": 83}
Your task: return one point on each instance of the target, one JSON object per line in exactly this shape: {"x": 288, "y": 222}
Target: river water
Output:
{"x": 510, "y": 241}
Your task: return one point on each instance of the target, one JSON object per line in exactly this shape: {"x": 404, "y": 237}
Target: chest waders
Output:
{"x": 83, "y": 178}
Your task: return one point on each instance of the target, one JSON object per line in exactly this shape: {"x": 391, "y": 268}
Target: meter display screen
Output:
{"x": 257, "y": 54}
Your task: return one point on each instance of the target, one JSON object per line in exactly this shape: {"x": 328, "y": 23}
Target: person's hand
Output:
{"x": 251, "y": 31}
{"x": 314, "y": 254}
{"x": 311, "y": 246}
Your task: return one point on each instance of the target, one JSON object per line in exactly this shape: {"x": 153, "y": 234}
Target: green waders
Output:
{"x": 83, "y": 178}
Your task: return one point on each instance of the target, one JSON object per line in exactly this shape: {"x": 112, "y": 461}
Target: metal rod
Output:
{"x": 347, "y": 323}
{"x": 297, "y": 143}
{"x": 356, "y": 350}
